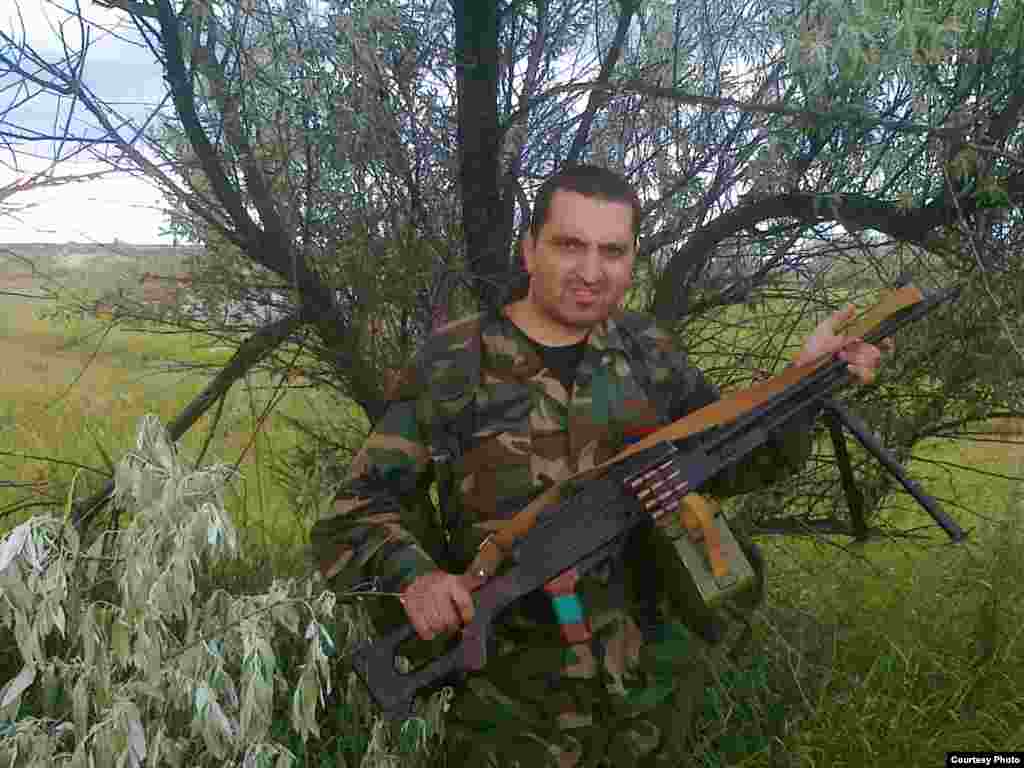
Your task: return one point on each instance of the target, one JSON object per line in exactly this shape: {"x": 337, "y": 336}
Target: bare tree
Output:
{"x": 357, "y": 156}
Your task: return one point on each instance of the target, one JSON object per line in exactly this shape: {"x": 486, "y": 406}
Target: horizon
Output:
{"x": 97, "y": 243}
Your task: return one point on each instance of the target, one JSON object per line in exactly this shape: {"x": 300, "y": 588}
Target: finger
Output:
{"x": 863, "y": 375}
{"x": 464, "y": 605}
{"x": 439, "y": 613}
{"x": 419, "y": 623}
{"x": 865, "y": 355}
{"x": 882, "y": 346}
{"x": 427, "y": 620}
{"x": 447, "y": 618}
{"x": 843, "y": 315}
{"x": 849, "y": 351}
{"x": 437, "y": 626}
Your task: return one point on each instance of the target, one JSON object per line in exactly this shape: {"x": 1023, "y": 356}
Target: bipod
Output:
{"x": 838, "y": 416}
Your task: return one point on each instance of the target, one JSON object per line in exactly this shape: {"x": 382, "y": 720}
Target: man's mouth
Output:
{"x": 584, "y": 295}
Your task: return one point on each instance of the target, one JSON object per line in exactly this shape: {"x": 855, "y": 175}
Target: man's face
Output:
{"x": 581, "y": 262}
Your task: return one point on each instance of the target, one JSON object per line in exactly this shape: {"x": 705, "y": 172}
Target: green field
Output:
{"x": 886, "y": 654}
{"x": 73, "y": 394}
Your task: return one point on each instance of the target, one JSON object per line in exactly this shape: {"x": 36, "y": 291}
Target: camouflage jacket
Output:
{"x": 379, "y": 530}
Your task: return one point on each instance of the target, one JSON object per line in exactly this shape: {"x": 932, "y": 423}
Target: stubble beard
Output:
{"x": 566, "y": 311}
{"x": 559, "y": 311}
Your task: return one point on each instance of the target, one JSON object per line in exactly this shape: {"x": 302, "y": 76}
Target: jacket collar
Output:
{"x": 508, "y": 351}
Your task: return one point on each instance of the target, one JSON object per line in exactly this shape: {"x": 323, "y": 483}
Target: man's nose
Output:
{"x": 589, "y": 266}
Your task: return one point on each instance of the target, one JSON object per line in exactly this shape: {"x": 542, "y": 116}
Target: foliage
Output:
{"x": 365, "y": 167}
{"x": 815, "y": 631}
{"x": 125, "y": 660}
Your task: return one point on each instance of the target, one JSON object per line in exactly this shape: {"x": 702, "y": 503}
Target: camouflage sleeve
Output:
{"x": 365, "y": 536}
{"x": 782, "y": 455}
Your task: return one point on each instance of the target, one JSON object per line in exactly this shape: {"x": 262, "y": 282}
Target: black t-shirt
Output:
{"x": 562, "y": 361}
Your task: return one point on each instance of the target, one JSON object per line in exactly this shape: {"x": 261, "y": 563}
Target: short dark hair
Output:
{"x": 589, "y": 181}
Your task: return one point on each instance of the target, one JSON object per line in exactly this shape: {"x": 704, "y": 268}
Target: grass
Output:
{"x": 78, "y": 391}
{"x": 926, "y": 656}
{"x": 888, "y": 654}
{"x": 893, "y": 655}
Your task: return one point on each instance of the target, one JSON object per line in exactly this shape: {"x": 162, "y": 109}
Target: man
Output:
{"x": 557, "y": 394}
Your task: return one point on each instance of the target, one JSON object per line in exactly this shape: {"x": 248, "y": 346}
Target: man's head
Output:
{"x": 589, "y": 181}
{"x": 580, "y": 248}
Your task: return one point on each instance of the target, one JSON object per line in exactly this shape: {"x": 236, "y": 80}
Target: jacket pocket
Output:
{"x": 495, "y": 465}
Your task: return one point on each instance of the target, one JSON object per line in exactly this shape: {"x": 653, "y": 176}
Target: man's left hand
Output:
{"x": 864, "y": 359}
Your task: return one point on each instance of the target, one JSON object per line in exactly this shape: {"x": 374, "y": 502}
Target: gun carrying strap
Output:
{"x": 505, "y": 533}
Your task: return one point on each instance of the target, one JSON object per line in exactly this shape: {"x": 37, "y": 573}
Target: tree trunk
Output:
{"x": 485, "y": 222}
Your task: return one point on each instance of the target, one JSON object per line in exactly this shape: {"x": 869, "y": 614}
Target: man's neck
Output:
{"x": 533, "y": 324}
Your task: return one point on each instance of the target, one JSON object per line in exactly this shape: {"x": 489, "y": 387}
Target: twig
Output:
{"x": 981, "y": 266}
{"x": 51, "y": 460}
{"x": 954, "y": 465}
{"x": 250, "y": 352}
{"x": 106, "y": 332}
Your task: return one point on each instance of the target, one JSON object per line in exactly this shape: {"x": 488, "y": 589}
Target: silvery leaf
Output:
{"x": 18, "y": 685}
{"x": 13, "y": 544}
{"x": 136, "y": 739}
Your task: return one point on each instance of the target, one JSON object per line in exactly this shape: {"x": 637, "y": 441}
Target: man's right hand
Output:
{"x": 437, "y": 602}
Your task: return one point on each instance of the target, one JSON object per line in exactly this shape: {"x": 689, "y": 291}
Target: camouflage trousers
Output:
{"x": 516, "y": 715}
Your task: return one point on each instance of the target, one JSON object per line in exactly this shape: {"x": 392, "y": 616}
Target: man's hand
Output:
{"x": 864, "y": 359}
{"x": 437, "y": 602}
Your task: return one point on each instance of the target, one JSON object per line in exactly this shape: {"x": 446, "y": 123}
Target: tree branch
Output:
{"x": 599, "y": 97}
{"x": 132, "y": 7}
{"x": 808, "y": 116}
{"x": 861, "y": 210}
{"x": 184, "y": 103}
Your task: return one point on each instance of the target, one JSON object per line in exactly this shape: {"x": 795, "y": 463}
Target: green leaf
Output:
{"x": 121, "y": 641}
{"x": 51, "y": 690}
{"x": 69, "y": 501}
{"x": 80, "y": 707}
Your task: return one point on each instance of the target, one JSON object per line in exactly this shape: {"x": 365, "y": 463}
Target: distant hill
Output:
{"x": 74, "y": 254}
{"x": 95, "y": 266}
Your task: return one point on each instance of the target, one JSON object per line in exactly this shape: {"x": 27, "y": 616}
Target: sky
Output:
{"x": 116, "y": 207}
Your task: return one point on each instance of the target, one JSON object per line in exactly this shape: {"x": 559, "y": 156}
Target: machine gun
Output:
{"x": 637, "y": 486}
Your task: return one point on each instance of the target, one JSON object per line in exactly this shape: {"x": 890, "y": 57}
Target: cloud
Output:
{"x": 121, "y": 73}
{"x": 119, "y": 207}
{"x": 42, "y": 22}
